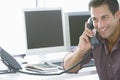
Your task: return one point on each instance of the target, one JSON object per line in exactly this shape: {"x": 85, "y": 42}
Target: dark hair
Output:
{"x": 112, "y": 4}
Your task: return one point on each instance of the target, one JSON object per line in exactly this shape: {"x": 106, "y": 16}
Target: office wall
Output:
{"x": 12, "y": 26}
{"x": 67, "y": 5}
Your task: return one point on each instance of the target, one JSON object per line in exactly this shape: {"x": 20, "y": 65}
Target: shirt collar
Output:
{"x": 103, "y": 41}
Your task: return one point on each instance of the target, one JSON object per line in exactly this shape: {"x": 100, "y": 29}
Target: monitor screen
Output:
{"x": 76, "y": 22}
{"x": 44, "y": 30}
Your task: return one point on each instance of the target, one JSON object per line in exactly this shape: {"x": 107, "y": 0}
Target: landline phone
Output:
{"x": 94, "y": 41}
{"x": 9, "y": 61}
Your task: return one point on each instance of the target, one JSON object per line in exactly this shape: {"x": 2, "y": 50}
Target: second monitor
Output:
{"x": 76, "y": 22}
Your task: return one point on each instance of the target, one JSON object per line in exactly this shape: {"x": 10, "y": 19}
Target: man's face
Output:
{"x": 104, "y": 21}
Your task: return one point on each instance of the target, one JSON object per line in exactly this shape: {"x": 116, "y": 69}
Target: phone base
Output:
{"x": 7, "y": 71}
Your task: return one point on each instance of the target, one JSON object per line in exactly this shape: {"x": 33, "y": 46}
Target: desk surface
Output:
{"x": 84, "y": 74}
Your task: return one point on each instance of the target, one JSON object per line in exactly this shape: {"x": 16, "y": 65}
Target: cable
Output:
{"x": 38, "y": 73}
{"x": 65, "y": 71}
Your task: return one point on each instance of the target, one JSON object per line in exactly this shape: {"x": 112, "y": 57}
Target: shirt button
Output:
{"x": 108, "y": 67}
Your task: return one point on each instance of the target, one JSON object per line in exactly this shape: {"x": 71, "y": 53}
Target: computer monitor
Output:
{"x": 75, "y": 22}
{"x": 45, "y": 31}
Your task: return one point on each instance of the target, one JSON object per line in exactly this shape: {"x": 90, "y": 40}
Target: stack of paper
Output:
{"x": 41, "y": 67}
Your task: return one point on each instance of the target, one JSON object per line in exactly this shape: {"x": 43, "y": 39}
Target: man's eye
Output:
{"x": 94, "y": 20}
{"x": 104, "y": 18}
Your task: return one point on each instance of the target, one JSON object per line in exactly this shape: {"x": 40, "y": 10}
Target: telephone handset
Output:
{"x": 94, "y": 41}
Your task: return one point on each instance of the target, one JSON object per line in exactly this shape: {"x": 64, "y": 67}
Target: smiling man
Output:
{"x": 105, "y": 15}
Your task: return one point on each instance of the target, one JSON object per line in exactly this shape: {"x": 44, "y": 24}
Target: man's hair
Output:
{"x": 113, "y": 5}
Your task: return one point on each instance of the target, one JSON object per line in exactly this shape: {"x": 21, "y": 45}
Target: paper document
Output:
{"x": 41, "y": 67}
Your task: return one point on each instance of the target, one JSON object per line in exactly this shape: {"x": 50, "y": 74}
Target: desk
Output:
{"x": 84, "y": 73}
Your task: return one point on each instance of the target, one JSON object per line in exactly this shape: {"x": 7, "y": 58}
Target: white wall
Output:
{"x": 67, "y": 5}
{"x": 12, "y": 31}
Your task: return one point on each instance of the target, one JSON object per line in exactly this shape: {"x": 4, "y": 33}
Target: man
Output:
{"x": 106, "y": 20}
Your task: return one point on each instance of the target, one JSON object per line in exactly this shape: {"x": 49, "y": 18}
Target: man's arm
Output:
{"x": 83, "y": 47}
{"x": 73, "y": 58}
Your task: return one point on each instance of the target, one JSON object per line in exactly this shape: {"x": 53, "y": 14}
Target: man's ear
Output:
{"x": 117, "y": 14}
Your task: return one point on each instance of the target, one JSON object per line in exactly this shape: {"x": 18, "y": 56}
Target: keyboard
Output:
{"x": 60, "y": 63}
{"x": 91, "y": 63}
